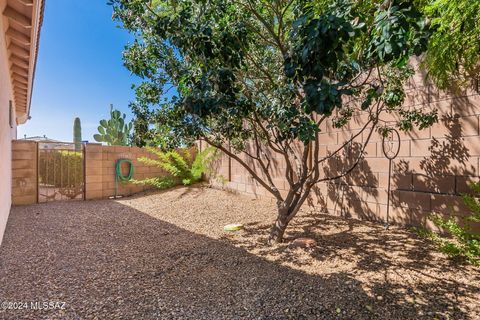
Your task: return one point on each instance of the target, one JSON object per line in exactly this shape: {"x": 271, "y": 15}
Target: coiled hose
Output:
{"x": 118, "y": 173}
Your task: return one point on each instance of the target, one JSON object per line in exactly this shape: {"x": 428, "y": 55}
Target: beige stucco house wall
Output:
{"x": 20, "y": 22}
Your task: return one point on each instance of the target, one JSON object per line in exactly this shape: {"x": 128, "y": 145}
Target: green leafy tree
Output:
{"x": 77, "y": 134}
{"x": 258, "y": 79}
{"x": 148, "y": 130}
{"x": 143, "y": 133}
{"x": 114, "y": 131}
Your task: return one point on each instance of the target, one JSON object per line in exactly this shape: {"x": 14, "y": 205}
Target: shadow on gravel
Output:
{"x": 110, "y": 261}
{"x": 406, "y": 277}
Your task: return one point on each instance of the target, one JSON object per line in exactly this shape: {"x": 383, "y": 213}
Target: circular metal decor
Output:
{"x": 390, "y": 148}
{"x": 391, "y": 144}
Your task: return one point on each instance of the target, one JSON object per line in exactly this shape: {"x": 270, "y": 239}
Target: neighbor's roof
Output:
{"x": 22, "y": 21}
{"x": 41, "y": 139}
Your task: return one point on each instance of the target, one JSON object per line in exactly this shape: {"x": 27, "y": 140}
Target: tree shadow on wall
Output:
{"x": 347, "y": 196}
{"x": 448, "y": 154}
{"x": 448, "y": 157}
{"x": 225, "y": 169}
{"x": 445, "y": 171}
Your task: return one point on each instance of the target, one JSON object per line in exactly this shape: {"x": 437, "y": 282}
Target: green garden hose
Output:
{"x": 118, "y": 173}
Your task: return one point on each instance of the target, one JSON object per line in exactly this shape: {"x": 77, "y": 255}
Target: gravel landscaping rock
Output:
{"x": 165, "y": 255}
{"x": 303, "y": 243}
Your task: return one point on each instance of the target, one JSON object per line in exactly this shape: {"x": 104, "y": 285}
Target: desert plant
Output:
{"x": 178, "y": 165}
{"x": 77, "y": 134}
{"x": 454, "y": 47}
{"x": 115, "y": 131}
{"x": 461, "y": 239}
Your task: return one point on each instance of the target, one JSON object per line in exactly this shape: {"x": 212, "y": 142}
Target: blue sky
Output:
{"x": 79, "y": 70}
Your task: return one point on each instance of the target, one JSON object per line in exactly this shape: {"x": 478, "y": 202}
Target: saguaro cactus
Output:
{"x": 77, "y": 134}
{"x": 114, "y": 131}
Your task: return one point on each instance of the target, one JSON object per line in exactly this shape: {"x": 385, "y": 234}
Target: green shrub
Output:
{"x": 460, "y": 241}
{"x": 178, "y": 165}
{"x": 61, "y": 168}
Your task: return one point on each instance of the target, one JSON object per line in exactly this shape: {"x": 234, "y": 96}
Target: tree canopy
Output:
{"x": 268, "y": 74}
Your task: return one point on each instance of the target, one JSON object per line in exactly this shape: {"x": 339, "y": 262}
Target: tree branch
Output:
{"x": 274, "y": 191}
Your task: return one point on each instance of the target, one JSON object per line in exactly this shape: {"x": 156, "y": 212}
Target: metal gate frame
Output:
{"x": 57, "y": 146}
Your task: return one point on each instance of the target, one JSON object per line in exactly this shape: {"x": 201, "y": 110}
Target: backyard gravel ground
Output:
{"x": 164, "y": 255}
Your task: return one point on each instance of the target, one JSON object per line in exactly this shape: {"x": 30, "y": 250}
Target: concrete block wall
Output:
{"x": 99, "y": 170}
{"x": 100, "y": 164}
{"x": 432, "y": 170}
{"x": 24, "y": 172}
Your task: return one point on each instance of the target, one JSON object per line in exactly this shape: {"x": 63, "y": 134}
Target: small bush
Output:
{"x": 157, "y": 182}
{"x": 61, "y": 168}
{"x": 461, "y": 241}
{"x": 179, "y": 166}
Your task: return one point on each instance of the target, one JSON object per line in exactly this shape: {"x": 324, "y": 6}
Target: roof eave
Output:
{"x": 24, "y": 20}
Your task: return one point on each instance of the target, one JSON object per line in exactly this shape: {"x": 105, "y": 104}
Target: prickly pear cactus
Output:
{"x": 114, "y": 132}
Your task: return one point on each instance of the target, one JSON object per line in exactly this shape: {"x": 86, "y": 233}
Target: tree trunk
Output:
{"x": 286, "y": 212}
{"x": 279, "y": 227}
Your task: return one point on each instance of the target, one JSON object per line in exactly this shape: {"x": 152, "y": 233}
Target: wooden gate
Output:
{"x": 61, "y": 171}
